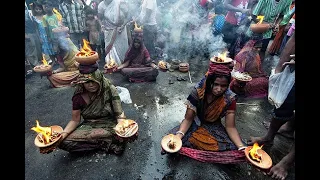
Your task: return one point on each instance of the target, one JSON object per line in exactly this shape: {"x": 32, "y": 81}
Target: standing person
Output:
{"x": 113, "y": 15}
{"x": 93, "y": 27}
{"x": 147, "y": 18}
{"x": 238, "y": 10}
{"x": 273, "y": 12}
{"x": 32, "y": 41}
{"x": 73, "y": 17}
{"x": 50, "y": 21}
{"x": 279, "y": 37}
{"x": 281, "y": 116}
{"x": 47, "y": 47}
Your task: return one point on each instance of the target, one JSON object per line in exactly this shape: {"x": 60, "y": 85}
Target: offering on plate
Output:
{"x": 258, "y": 157}
{"x": 46, "y": 135}
{"x": 221, "y": 58}
{"x": 241, "y": 76}
{"x": 171, "y": 143}
{"x": 126, "y": 128}
{"x": 162, "y": 65}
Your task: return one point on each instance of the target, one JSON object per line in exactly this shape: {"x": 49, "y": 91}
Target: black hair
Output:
{"x": 90, "y": 11}
{"x": 211, "y": 78}
{"x": 36, "y": 4}
{"x": 49, "y": 3}
{"x": 219, "y": 9}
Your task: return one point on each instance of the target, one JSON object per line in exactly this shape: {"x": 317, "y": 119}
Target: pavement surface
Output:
{"x": 157, "y": 107}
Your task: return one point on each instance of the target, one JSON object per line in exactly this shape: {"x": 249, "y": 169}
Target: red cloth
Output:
{"x": 233, "y": 105}
{"x": 78, "y": 102}
{"x": 231, "y": 17}
{"x": 203, "y": 2}
{"x": 222, "y": 157}
{"x": 215, "y": 68}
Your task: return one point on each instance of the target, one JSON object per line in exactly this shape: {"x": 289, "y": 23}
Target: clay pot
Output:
{"x": 259, "y": 28}
{"x": 166, "y": 139}
{"x": 87, "y": 60}
{"x": 42, "y": 68}
{"x": 183, "y": 67}
{"x": 56, "y": 128}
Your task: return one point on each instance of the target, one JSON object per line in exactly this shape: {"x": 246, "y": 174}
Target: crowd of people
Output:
{"x": 129, "y": 34}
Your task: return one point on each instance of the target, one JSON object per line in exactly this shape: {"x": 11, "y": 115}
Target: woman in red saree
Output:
{"x": 137, "y": 65}
{"x": 248, "y": 60}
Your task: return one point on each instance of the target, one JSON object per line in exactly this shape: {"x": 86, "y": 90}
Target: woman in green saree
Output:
{"x": 99, "y": 104}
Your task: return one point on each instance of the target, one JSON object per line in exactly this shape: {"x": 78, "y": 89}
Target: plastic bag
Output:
{"x": 124, "y": 95}
{"x": 280, "y": 85}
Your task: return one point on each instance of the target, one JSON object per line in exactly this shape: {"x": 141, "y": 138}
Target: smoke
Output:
{"x": 186, "y": 27}
{"x": 183, "y": 29}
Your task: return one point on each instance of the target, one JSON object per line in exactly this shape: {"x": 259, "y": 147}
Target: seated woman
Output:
{"x": 99, "y": 104}
{"x": 201, "y": 131}
{"x": 137, "y": 65}
{"x": 248, "y": 60}
{"x": 68, "y": 70}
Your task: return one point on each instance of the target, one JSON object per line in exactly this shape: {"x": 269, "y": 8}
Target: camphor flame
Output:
{"x": 45, "y": 131}
{"x": 223, "y": 56}
{"x": 171, "y": 143}
{"x": 254, "y": 152}
{"x": 44, "y": 61}
{"x": 86, "y": 49}
{"x": 260, "y": 18}
{"x": 136, "y": 26}
{"x": 111, "y": 63}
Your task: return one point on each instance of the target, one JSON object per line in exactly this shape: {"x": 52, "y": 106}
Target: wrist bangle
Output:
{"x": 241, "y": 147}
{"x": 64, "y": 132}
{"x": 180, "y": 132}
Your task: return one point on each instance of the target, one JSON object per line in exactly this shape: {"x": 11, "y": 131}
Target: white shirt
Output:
{"x": 152, "y": 5}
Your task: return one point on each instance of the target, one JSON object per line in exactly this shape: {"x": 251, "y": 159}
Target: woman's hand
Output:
{"x": 154, "y": 66}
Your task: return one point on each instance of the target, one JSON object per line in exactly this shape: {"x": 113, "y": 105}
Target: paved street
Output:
{"x": 157, "y": 107}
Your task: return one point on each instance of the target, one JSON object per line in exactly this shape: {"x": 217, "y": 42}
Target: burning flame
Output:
{"x": 260, "y": 18}
{"x": 86, "y": 49}
{"x": 59, "y": 16}
{"x": 171, "y": 143}
{"x": 45, "y": 131}
{"x": 44, "y": 60}
{"x": 136, "y": 26}
{"x": 254, "y": 152}
{"x": 111, "y": 64}
{"x": 223, "y": 56}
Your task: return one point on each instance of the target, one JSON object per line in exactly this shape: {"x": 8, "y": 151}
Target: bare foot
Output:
{"x": 280, "y": 170}
{"x": 260, "y": 141}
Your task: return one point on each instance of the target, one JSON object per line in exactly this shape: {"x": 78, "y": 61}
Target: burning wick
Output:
{"x": 254, "y": 152}
{"x": 221, "y": 57}
{"x": 260, "y": 18}
{"x": 86, "y": 49}
{"x": 44, "y": 61}
{"x": 136, "y": 26}
{"x": 171, "y": 143}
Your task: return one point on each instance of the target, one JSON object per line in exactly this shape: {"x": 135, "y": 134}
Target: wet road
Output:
{"x": 157, "y": 107}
